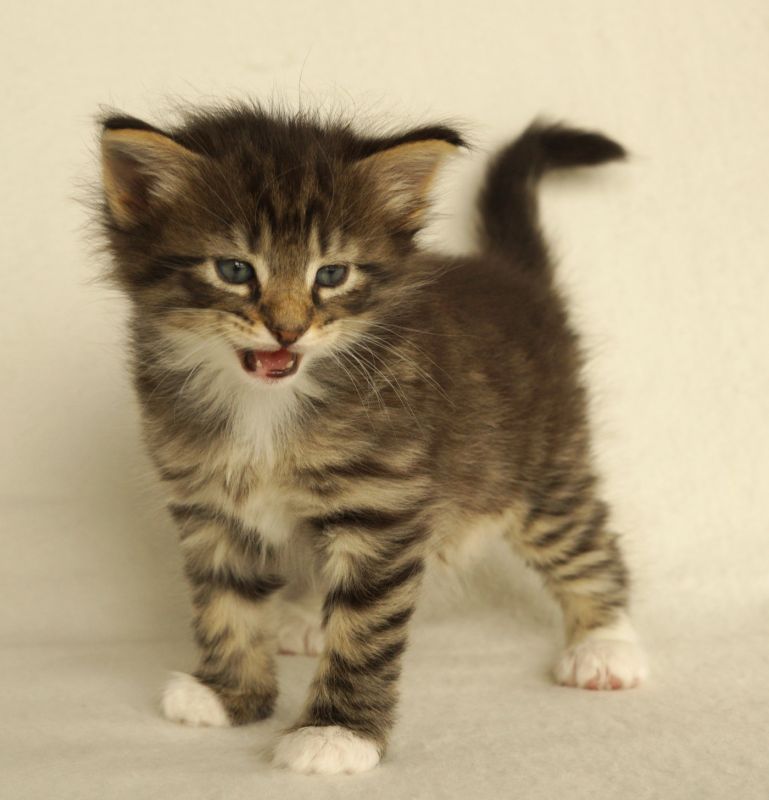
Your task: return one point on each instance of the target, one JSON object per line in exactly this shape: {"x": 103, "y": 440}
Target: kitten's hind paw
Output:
{"x": 187, "y": 700}
{"x": 597, "y": 663}
{"x": 326, "y": 750}
{"x": 300, "y": 632}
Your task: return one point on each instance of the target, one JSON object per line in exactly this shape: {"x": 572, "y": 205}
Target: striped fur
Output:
{"x": 437, "y": 398}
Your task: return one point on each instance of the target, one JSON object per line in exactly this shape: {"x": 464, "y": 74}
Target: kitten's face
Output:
{"x": 257, "y": 253}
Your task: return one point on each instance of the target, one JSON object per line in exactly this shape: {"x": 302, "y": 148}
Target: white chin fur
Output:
{"x": 327, "y": 750}
{"x": 187, "y": 700}
{"x": 607, "y": 658}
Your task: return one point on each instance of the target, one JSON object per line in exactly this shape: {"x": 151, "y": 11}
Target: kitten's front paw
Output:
{"x": 326, "y": 750}
{"x": 596, "y": 663}
{"x": 187, "y": 700}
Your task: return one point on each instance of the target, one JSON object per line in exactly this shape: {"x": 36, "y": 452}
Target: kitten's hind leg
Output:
{"x": 300, "y": 629}
{"x": 566, "y": 539}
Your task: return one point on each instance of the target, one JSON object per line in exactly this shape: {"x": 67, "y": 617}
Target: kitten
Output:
{"x": 325, "y": 402}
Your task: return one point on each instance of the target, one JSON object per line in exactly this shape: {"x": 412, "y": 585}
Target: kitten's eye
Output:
{"x": 331, "y": 275}
{"x": 234, "y": 271}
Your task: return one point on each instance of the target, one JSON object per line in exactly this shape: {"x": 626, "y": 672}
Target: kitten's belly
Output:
{"x": 461, "y": 538}
{"x": 269, "y": 510}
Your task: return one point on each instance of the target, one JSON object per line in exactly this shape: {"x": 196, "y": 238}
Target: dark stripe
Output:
{"x": 564, "y": 482}
{"x": 367, "y": 518}
{"x": 365, "y": 716}
{"x": 253, "y": 237}
{"x": 375, "y": 270}
{"x": 372, "y": 663}
{"x": 323, "y": 236}
{"x": 367, "y": 593}
{"x": 314, "y": 214}
{"x": 325, "y": 711}
{"x": 210, "y": 642}
{"x": 586, "y": 539}
{"x": 184, "y": 514}
{"x": 397, "y": 620}
{"x": 605, "y": 566}
{"x": 369, "y": 701}
{"x": 553, "y": 485}
{"x": 367, "y": 468}
{"x": 267, "y": 208}
{"x": 162, "y": 267}
{"x": 217, "y": 679}
{"x": 555, "y": 535}
{"x": 358, "y": 468}
{"x": 253, "y": 588}
{"x": 324, "y": 178}
{"x": 588, "y": 536}
{"x": 555, "y": 508}
{"x": 609, "y": 605}
{"x": 337, "y": 682}
{"x": 179, "y": 262}
{"x": 377, "y": 662}
{"x": 242, "y": 705}
{"x": 168, "y": 474}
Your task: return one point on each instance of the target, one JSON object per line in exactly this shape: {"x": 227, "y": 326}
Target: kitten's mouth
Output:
{"x": 269, "y": 364}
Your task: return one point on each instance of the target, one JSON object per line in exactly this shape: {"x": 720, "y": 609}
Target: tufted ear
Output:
{"x": 142, "y": 168}
{"x": 404, "y": 174}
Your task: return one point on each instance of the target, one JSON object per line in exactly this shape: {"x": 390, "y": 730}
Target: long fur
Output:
{"x": 436, "y": 396}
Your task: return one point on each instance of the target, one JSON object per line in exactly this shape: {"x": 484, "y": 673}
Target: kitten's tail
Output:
{"x": 508, "y": 201}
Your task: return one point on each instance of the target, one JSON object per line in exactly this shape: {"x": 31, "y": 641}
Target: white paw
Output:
{"x": 326, "y": 750}
{"x": 187, "y": 700}
{"x": 299, "y": 633}
{"x": 607, "y": 658}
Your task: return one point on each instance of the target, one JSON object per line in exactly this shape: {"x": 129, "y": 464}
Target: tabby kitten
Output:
{"x": 327, "y": 404}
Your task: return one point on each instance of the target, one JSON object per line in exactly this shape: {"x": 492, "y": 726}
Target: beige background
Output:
{"x": 666, "y": 262}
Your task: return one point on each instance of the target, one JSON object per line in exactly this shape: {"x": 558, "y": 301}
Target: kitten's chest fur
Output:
{"x": 266, "y": 490}
{"x": 252, "y": 493}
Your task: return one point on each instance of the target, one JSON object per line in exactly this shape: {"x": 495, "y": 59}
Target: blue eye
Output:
{"x": 234, "y": 271}
{"x": 331, "y": 275}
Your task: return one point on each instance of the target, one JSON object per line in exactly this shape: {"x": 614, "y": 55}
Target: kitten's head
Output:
{"x": 256, "y": 244}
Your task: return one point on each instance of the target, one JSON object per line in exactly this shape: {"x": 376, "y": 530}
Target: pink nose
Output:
{"x": 287, "y": 337}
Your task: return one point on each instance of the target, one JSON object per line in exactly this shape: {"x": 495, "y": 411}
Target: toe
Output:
{"x": 326, "y": 750}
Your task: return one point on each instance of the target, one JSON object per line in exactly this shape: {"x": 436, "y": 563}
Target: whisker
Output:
{"x": 367, "y": 377}
{"x": 338, "y": 360}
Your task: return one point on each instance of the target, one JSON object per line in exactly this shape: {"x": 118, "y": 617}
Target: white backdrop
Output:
{"x": 666, "y": 260}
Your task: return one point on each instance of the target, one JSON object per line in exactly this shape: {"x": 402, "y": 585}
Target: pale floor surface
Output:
{"x": 479, "y": 719}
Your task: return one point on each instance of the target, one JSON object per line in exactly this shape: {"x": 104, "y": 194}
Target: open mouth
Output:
{"x": 269, "y": 364}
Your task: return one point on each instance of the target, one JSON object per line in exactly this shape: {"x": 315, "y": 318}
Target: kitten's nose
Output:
{"x": 287, "y": 336}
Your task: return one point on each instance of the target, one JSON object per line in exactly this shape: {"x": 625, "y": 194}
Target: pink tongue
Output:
{"x": 274, "y": 361}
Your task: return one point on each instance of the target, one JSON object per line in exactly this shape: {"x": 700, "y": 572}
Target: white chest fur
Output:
{"x": 272, "y": 511}
{"x": 247, "y": 491}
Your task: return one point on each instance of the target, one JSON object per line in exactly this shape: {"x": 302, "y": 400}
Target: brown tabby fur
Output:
{"x": 450, "y": 401}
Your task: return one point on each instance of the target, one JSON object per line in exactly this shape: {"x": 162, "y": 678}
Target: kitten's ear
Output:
{"x": 142, "y": 168}
{"x": 404, "y": 174}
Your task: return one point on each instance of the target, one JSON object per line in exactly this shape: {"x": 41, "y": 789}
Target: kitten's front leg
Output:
{"x": 234, "y": 585}
{"x": 374, "y": 562}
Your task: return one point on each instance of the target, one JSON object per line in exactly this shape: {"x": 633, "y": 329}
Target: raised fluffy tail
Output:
{"x": 508, "y": 201}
